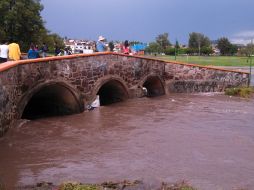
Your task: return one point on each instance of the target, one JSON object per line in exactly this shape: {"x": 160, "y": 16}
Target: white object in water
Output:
{"x": 96, "y": 102}
{"x": 144, "y": 91}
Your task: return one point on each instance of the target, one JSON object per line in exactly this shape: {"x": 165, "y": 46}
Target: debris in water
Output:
{"x": 21, "y": 122}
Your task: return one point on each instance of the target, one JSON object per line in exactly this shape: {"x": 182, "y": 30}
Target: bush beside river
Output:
{"x": 244, "y": 92}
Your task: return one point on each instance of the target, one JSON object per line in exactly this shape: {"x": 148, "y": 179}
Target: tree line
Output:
{"x": 198, "y": 44}
{"x": 21, "y": 22}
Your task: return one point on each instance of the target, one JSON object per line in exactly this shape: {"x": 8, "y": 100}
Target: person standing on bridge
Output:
{"x": 14, "y": 52}
{"x": 57, "y": 50}
{"x": 4, "y": 49}
{"x": 101, "y": 46}
{"x": 44, "y": 50}
{"x": 32, "y": 53}
{"x": 126, "y": 47}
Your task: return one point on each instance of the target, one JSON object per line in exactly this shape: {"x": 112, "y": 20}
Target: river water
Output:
{"x": 205, "y": 139}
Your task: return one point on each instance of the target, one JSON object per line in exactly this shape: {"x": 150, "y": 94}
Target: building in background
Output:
{"x": 80, "y": 46}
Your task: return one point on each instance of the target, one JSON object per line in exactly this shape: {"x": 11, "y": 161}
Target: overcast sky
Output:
{"x": 143, "y": 20}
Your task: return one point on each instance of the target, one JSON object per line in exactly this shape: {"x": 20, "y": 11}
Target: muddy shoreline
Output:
{"x": 123, "y": 185}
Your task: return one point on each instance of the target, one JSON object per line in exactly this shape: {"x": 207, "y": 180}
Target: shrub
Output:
{"x": 242, "y": 92}
{"x": 177, "y": 186}
{"x": 77, "y": 186}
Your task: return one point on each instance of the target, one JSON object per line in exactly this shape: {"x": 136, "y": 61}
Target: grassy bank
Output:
{"x": 208, "y": 60}
{"x": 136, "y": 185}
{"x": 245, "y": 92}
{"x": 124, "y": 185}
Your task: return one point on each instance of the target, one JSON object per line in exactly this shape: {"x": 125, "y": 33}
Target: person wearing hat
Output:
{"x": 100, "y": 44}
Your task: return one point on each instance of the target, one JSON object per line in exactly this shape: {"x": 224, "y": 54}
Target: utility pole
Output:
{"x": 251, "y": 55}
{"x": 199, "y": 44}
{"x": 175, "y": 49}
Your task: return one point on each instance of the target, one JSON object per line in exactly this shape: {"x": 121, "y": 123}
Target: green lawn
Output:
{"x": 209, "y": 60}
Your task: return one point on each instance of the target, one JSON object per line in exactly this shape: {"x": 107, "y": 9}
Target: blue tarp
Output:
{"x": 139, "y": 47}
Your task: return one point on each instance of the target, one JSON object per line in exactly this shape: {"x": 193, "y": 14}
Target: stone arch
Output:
{"x": 154, "y": 85}
{"x": 110, "y": 89}
{"x": 50, "y": 98}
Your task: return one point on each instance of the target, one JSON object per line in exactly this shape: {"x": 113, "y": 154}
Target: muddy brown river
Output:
{"x": 205, "y": 139}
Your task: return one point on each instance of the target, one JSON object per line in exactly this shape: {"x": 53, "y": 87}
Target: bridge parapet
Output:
{"x": 70, "y": 83}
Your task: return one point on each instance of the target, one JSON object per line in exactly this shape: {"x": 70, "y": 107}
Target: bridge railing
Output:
{"x": 10, "y": 64}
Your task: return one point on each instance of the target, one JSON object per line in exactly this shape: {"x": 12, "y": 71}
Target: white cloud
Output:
{"x": 240, "y": 41}
{"x": 243, "y": 37}
{"x": 245, "y": 34}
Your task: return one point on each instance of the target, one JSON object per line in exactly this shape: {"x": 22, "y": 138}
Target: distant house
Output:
{"x": 70, "y": 44}
{"x": 214, "y": 44}
{"x": 216, "y": 51}
{"x": 80, "y": 46}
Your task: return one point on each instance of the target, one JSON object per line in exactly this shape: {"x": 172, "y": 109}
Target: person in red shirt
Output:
{"x": 126, "y": 48}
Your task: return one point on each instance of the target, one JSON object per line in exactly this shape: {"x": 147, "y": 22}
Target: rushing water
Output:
{"x": 206, "y": 139}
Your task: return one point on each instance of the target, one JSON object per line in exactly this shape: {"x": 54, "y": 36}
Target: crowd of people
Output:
{"x": 11, "y": 52}
{"x": 101, "y": 46}
{"x": 34, "y": 52}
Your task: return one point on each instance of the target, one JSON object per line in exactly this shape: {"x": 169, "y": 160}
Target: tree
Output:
{"x": 233, "y": 49}
{"x": 54, "y": 39}
{"x": 170, "y": 51}
{"x": 197, "y": 41}
{"x": 154, "y": 48}
{"x": 225, "y": 47}
{"x": 177, "y": 46}
{"x": 21, "y": 22}
{"x": 163, "y": 41}
{"x": 248, "y": 50}
{"x": 191, "y": 51}
{"x": 206, "y": 50}
{"x": 134, "y": 42}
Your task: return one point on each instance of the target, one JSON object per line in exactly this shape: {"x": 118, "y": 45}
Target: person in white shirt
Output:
{"x": 4, "y": 49}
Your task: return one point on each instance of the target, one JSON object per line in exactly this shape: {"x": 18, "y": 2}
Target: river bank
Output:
{"x": 244, "y": 92}
{"x": 123, "y": 185}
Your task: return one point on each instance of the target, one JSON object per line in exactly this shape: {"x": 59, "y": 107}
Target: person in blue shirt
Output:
{"x": 44, "y": 50}
{"x": 101, "y": 44}
{"x": 32, "y": 53}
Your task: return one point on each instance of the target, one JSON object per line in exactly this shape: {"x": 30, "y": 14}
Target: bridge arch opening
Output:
{"x": 153, "y": 86}
{"x": 51, "y": 100}
{"x": 111, "y": 92}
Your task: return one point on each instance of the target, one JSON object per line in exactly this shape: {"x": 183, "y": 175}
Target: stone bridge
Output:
{"x": 67, "y": 84}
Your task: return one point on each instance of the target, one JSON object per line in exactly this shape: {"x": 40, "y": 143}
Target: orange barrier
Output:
{"x": 10, "y": 64}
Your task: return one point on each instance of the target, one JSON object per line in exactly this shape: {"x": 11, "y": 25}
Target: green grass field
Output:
{"x": 209, "y": 60}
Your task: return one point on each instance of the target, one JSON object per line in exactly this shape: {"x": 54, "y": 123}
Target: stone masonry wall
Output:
{"x": 79, "y": 74}
{"x": 84, "y": 74}
{"x": 191, "y": 78}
